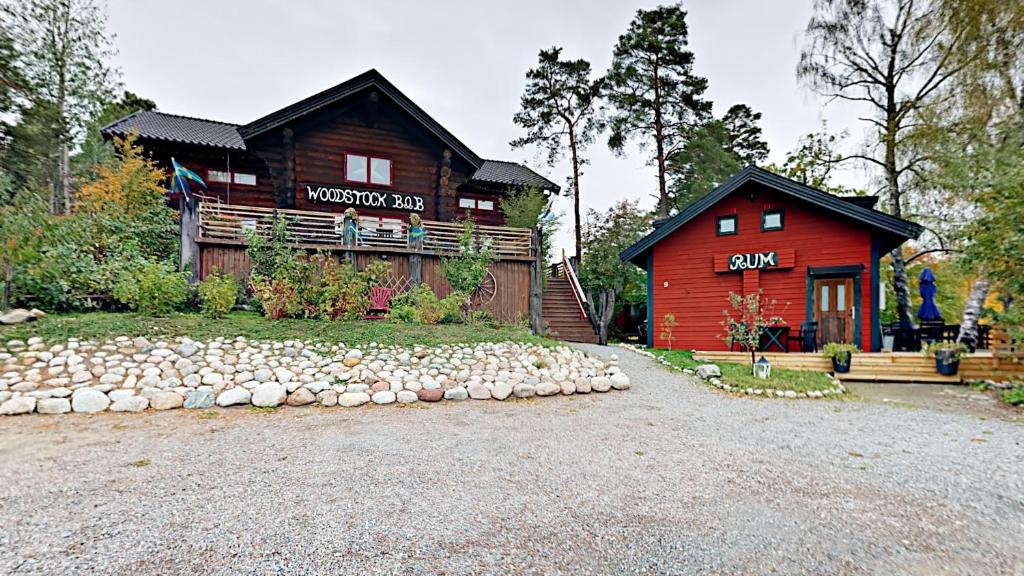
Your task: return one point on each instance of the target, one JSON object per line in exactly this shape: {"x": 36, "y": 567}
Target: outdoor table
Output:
{"x": 776, "y": 336}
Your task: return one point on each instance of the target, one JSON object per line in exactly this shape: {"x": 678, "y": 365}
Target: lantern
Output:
{"x": 762, "y": 368}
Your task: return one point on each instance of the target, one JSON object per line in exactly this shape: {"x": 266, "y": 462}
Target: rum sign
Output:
{"x": 753, "y": 261}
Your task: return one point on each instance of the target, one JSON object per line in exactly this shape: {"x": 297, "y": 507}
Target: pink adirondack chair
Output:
{"x": 380, "y": 304}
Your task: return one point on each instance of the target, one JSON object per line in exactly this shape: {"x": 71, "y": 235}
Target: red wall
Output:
{"x": 697, "y": 296}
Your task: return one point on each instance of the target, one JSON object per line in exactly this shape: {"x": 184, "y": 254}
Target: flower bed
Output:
{"x": 132, "y": 375}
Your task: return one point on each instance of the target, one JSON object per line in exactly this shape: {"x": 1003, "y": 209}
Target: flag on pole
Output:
{"x": 180, "y": 178}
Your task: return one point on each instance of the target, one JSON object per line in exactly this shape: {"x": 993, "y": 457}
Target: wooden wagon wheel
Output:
{"x": 486, "y": 291}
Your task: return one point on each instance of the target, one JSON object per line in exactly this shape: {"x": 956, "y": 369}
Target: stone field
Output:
{"x": 133, "y": 375}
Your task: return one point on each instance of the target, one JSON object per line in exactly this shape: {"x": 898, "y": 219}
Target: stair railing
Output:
{"x": 577, "y": 290}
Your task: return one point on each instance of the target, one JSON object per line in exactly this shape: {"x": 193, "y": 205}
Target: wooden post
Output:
{"x": 537, "y": 270}
{"x": 188, "y": 256}
{"x": 350, "y": 226}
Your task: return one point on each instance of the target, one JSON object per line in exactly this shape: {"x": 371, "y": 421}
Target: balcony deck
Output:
{"x": 228, "y": 224}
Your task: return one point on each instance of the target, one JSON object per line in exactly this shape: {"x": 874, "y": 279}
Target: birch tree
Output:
{"x": 892, "y": 57}
{"x": 62, "y": 51}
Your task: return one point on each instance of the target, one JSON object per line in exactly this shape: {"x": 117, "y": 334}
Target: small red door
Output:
{"x": 834, "y": 310}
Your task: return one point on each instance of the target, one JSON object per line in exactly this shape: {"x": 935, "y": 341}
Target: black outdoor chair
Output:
{"x": 807, "y": 337}
{"x": 932, "y": 331}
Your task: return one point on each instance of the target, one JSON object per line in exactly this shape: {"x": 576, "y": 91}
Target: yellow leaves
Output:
{"x": 129, "y": 185}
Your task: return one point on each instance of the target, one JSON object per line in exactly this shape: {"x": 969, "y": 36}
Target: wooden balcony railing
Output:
{"x": 230, "y": 223}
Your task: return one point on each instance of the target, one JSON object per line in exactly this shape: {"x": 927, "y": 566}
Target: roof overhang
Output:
{"x": 370, "y": 79}
{"x": 893, "y": 230}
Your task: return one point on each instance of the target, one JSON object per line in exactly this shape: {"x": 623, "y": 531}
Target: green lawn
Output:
{"x": 103, "y": 325}
{"x": 740, "y": 374}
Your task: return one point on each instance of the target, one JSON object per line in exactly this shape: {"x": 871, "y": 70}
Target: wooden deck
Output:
{"x": 891, "y": 366}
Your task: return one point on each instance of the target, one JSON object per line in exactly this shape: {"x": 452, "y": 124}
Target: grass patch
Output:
{"x": 103, "y": 325}
{"x": 139, "y": 463}
{"x": 208, "y": 415}
{"x": 740, "y": 374}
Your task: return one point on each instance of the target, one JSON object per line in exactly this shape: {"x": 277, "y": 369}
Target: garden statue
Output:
{"x": 351, "y": 228}
{"x": 417, "y": 233}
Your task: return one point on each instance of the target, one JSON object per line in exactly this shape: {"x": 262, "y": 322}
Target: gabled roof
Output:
{"x": 511, "y": 174}
{"x": 895, "y": 227}
{"x": 369, "y": 79}
{"x": 181, "y": 129}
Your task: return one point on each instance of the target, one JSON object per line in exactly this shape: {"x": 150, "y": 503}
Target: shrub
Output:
{"x": 275, "y": 295}
{"x": 155, "y": 289}
{"x": 217, "y": 294}
{"x": 342, "y": 293}
{"x": 668, "y": 323}
{"x": 466, "y": 270}
{"x": 421, "y": 305}
{"x": 1013, "y": 396}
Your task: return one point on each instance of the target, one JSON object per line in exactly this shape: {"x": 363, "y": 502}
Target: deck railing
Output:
{"x": 230, "y": 223}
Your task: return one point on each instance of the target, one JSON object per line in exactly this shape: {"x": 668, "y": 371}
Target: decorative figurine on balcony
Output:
{"x": 417, "y": 233}
{"x": 351, "y": 237}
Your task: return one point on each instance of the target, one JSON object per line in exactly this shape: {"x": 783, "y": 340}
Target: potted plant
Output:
{"x": 841, "y": 355}
{"x": 947, "y": 356}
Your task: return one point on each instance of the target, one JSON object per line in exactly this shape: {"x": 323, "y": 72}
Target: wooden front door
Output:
{"x": 834, "y": 309}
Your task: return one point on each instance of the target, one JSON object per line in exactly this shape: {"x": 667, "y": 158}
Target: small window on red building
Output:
{"x": 771, "y": 220}
{"x": 727, "y": 225}
{"x": 367, "y": 169}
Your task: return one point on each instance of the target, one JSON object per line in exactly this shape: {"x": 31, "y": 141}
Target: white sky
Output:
{"x": 463, "y": 62}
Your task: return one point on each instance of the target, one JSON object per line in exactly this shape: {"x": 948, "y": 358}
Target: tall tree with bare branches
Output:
{"x": 892, "y": 57}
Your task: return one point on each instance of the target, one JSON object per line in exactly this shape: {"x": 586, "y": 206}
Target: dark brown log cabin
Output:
{"x": 361, "y": 143}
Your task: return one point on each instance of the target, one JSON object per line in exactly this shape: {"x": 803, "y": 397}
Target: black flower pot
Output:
{"x": 946, "y": 363}
{"x": 841, "y": 365}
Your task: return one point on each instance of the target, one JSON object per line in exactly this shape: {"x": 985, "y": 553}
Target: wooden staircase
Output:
{"x": 564, "y": 305}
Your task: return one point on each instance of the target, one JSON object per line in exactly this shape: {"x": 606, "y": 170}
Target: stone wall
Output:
{"x": 131, "y": 375}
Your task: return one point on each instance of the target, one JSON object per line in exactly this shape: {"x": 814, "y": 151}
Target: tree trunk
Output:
{"x": 8, "y": 280}
{"x": 901, "y": 286}
{"x": 603, "y": 314}
{"x": 576, "y": 191}
{"x": 537, "y": 284}
{"x": 65, "y": 176}
{"x": 972, "y": 311}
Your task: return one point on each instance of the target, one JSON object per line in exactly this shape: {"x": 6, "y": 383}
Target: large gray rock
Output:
{"x": 478, "y": 392}
{"x": 406, "y": 397}
{"x": 130, "y": 404}
{"x": 457, "y": 393}
{"x": 18, "y": 405}
{"x": 16, "y": 316}
{"x": 234, "y": 396}
{"x": 301, "y": 397}
{"x": 524, "y": 390}
{"x": 547, "y": 389}
{"x": 53, "y": 406}
{"x": 600, "y": 384}
{"x": 199, "y": 399}
{"x": 89, "y": 401}
{"x": 501, "y": 391}
{"x": 327, "y": 398}
{"x": 620, "y": 381}
{"x": 352, "y": 399}
{"x": 383, "y": 397}
{"x": 166, "y": 400}
{"x": 269, "y": 395}
{"x": 708, "y": 371}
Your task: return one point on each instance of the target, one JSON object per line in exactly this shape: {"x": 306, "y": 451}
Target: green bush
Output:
{"x": 466, "y": 270}
{"x": 155, "y": 289}
{"x": 342, "y": 293}
{"x": 1013, "y": 396}
{"x": 217, "y": 294}
{"x": 420, "y": 305}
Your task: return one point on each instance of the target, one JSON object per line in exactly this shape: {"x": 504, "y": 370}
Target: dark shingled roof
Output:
{"x": 172, "y": 128}
{"x": 511, "y": 174}
{"x": 896, "y": 230}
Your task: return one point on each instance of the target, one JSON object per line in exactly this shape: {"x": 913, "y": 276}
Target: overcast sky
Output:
{"x": 463, "y": 62}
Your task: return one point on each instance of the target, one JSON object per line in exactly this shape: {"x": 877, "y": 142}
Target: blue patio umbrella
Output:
{"x": 926, "y": 286}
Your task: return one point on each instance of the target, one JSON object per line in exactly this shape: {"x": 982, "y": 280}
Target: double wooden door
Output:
{"x": 834, "y": 309}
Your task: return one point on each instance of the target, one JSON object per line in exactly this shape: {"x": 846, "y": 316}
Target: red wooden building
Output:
{"x": 817, "y": 255}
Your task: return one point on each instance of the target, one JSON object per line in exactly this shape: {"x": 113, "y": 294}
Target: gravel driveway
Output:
{"x": 669, "y": 477}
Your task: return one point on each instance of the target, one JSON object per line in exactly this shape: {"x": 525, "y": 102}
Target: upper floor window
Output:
{"x": 475, "y": 204}
{"x": 771, "y": 220}
{"x": 223, "y": 176}
{"x": 367, "y": 169}
{"x": 727, "y": 225}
